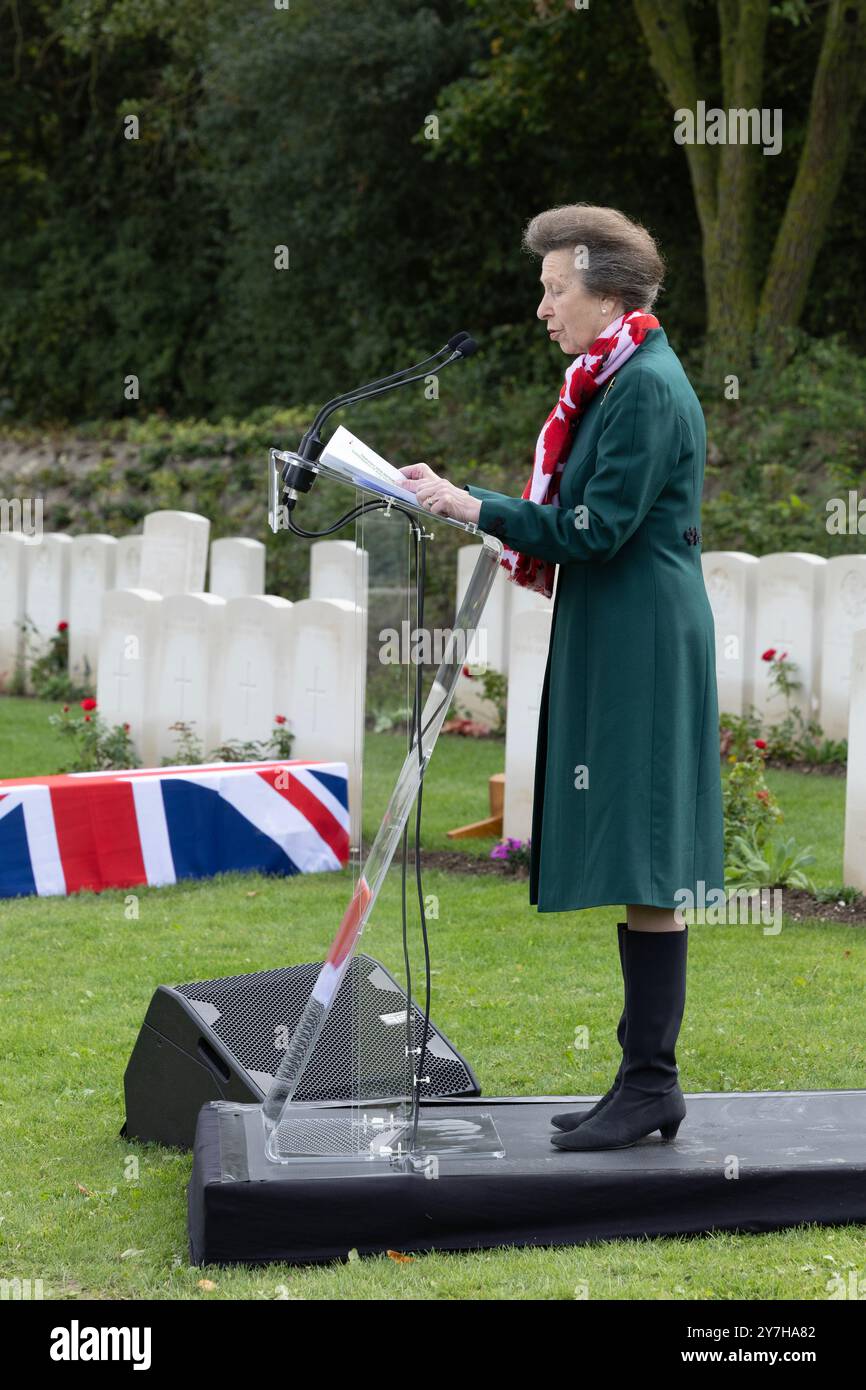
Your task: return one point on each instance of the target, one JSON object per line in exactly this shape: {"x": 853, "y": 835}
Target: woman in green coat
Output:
{"x": 627, "y": 803}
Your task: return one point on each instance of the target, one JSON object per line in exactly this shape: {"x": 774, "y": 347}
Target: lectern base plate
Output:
{"x": 339, "y": 1134}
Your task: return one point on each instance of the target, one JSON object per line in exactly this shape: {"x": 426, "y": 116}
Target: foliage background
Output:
{"x": 305, "y": 127}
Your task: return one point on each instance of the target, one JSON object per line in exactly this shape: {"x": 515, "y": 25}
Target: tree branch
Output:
{"x": 743, "y": 26}
{"x": 666, "y": 31}
{"x": 729, "y": 15}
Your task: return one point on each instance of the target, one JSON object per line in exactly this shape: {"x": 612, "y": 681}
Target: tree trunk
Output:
{"x": 837, "y": 95}
{"x": 725, "y": 177}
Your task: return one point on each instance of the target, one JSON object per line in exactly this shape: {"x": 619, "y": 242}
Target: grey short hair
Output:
{"x": 622, "y": 259}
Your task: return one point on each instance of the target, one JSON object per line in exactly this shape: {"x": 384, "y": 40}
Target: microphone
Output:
{"x": 468, "y": 347}
{"x": 297, "y": 475}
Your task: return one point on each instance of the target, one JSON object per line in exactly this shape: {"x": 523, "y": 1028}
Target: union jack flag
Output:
{"x": 99, "y": 830}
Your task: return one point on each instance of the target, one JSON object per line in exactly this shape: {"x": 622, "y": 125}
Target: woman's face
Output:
{"x": 573, "y": 317}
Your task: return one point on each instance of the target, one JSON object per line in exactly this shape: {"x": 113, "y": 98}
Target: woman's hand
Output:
{"x": 438, "y": 495}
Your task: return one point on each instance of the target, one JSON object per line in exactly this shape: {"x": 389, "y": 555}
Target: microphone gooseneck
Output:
{"x": 297, "y": 476}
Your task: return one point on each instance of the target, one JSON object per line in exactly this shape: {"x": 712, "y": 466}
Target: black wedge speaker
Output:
{"x": 221, "y": 1040}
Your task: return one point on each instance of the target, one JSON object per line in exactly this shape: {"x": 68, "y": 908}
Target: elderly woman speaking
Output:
{"x": 627, "y": 805}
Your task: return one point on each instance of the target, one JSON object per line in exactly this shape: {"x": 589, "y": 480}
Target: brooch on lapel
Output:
{"x": 692, "y": 535}
{"x": 609, "y": 385}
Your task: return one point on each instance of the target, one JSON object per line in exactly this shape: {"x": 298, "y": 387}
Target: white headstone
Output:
{"x": 730, "y": 578}
{"x": 255, "y": 633}
{"x": 844, "y": 614}
{"x": 237, "y": 567}
{"x": 523, "y": 599}
{"x": 490, "y": 645}
{"x": 91, "y": 572}
{"x": 174, "y": 552}
{"x": 854, "y": 860}
{"x": 527, "y": 659}
{"x": 494, "y": 619}
{"x": 339, "y": 569}
{"x": 127, "y": 570}
{"x": 13, "y": 582}
{"x": 323, "y": 683}
{"x": 47, "y": 600}
{"x": 128, "y": 655}
{"x": 788, "y": 618}
{"x": 189, "y": 676}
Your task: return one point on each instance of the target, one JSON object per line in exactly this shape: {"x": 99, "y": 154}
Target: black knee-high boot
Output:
{"x": 570, "y": 1119}
{"x": 649, "y": 1096}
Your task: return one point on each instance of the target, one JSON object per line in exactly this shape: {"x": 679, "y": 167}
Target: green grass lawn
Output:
{"x": 813, "y": 807}
{"x": 94, "y": 1215}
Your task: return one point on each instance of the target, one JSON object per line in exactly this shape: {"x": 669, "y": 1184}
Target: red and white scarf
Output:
{"x": 583, "y": 378}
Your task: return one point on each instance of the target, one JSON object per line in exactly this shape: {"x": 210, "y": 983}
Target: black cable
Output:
{"x": 419, "y": 1073}
{"x": 346, "y": 517}
{"x": 404, "y": 857}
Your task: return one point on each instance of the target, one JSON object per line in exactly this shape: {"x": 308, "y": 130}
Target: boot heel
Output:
{"x": 669, "y": 1132}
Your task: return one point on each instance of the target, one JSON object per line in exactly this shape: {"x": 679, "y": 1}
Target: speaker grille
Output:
{"x": 255, "y": 1016}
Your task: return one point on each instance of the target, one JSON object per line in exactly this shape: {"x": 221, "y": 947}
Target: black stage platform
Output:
{"x": 742, "y": 1161}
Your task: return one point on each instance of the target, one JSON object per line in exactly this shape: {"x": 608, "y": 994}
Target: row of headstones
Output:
{"x": 801, "y": 603}
{"x": 815, "y": 609}
{"x": 794, "y": 602}
{"x": 227, "y": 668}
{"x": 60, "y": 578}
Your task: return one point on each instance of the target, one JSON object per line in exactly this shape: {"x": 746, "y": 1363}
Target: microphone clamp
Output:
{"x": 297, "y": 473}
{"x": 289, "y": 474}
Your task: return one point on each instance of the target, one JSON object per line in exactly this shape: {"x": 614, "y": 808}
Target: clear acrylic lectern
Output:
{"x": 378, "y": 1120}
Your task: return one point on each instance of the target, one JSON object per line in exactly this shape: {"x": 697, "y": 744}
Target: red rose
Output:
{"x": 61, "y": 627}
{"x": 89, "y": 703}
{"x": 768, "y": 654}
{"x": 126, "y": 728}
{"x": 87, "y": 718}
{"x": 279, "y": 719}
{"x": 763, "y": 796}
{"x": 65, "y": 709}
{"x": 760, "y": 743}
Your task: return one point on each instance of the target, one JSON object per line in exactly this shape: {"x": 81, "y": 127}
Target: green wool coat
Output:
{"x": 629, "y": 689}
